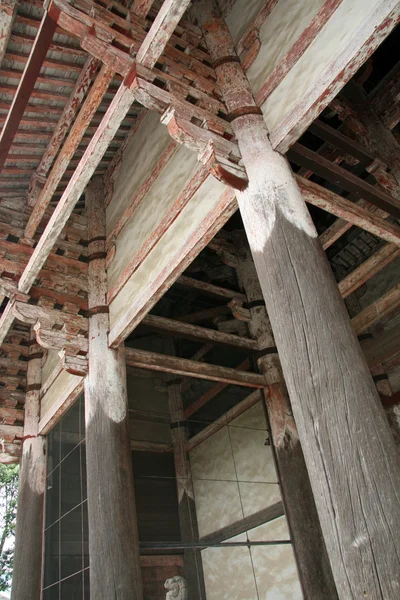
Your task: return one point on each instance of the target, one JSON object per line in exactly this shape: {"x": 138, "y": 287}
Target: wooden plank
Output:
{"x": 228, "y": 417}
{"x": 304, "y": 157}
{"x": 369, "y": 268}
{"x": 64, "y": 123}
{"x": 111, "y": 508}
{"x": 189, "y": 368}
{"x": 160, "y": 32}
{"x": 186, "y": 330}
{"x": 382, "y": 347}
{"x": 26, "y": 85}
{"x": 259, "y": 518}
{"x": 69, "y": 147}
{"x": 141, "y": 7}
{"x": 349, "y": 211}
{"x": 111, "y": 121}
{"x": 381, "y": 309}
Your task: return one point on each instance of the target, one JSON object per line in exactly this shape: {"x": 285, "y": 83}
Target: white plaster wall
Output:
{"x": 154, "y": 207}
{"x": 164, "y": 256}
{"x": 52, "y": 359}
{"x": 139, "y": 159}
{"x": 234, "y": 477}
{"x": 336, "y": 45}
{"x": 278, "y": 34}
{"x": 58, "y": 391}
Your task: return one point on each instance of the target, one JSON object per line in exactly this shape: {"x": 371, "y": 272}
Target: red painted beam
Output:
{"x": 26, "y": 85}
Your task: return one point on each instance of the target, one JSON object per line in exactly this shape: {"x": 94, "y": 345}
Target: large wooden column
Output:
{"x": 113, "y": 536}
{"x": 349, "y": 450}
{"x": 313, "y": 565}
{"x": 193, "y": 566}
{"x": 27, "y": 572}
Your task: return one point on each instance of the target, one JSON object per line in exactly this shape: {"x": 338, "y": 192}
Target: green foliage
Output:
{"x": 8, "y": 515}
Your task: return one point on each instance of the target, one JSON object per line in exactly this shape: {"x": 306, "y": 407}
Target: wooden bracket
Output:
{"x": 238, "y": 310}
{"x": 60, "y": 340}
{"x": 73, "y": 364}
{"x": 221, "y": 156}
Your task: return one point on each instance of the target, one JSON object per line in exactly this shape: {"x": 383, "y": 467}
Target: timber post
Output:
{"x": 315, "y": 573}
{"x": 193, "y": 566}
{"x": 351, "y": 457}
{"x": 27, "y": 578}
{"x": 113, "y": 535}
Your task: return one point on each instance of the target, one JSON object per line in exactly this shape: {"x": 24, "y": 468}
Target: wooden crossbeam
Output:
{"x": 182, "y": 366}
{"x": 160, "y": 32}
{"x": 382, "y": 308}
{"x": 221, "y": 422}
{"x": 349, "y": 211}
{"x": 212, "y": 392}
{"x": 209, "y": 289}
{"x": 26, "y": 85}
{"x": 304, "y": 157}
{"x": 186, "y": 330}
{"x": 68, "y": 149}
{"x": 64, "y": 123}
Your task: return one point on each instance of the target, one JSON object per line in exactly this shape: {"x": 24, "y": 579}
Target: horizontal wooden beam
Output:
{"x": 349, "y": 211}
{"x": 202, "y": 334}
{"x": 209, "y": 289}
{"x": 228, "y": 417}
{"x": 144, "y": 446}
{"x": 188, "y": 368}
{"x": 26, "y": 85}
{"x": 382, "y": 308}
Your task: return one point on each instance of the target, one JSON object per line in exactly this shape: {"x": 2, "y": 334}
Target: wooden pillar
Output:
{"x": 193, "y": 566}
{"x": 113, "y": 536}
{"x": 313, "y": 565}
{"x": 27, "y": 572}
{"x": 349, "y": 450}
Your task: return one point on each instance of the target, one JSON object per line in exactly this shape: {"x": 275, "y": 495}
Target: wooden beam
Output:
{"x": 111, "y": 121}
{"x": 160, "y": 32}
{"x": 221, "y": 422}
{"x": 64, "y": 123}
{"x": 7, "y": 16}
{"x": 189, "y": 368}
{"x": 382, "y": 347}
{"x": 255, "y": 520}
{"x": 26, "y": 85}
{"x": 69, "y": 147}
{"x": 381, "y": 309}
{"x": 209, "y": 289}
{"x": 212, "y": 392}
{"x": 349, "y": 211}
{"x": 304, "y": 157}
{"x": 141, "y": 7}
{"x": 369, "y": 268}
{"x": 186, "y": 330}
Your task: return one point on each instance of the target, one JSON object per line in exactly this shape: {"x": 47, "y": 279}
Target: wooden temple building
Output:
{"x": 200, "y": 294}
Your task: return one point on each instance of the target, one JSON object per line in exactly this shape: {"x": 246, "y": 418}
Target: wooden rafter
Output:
{"x": 26, "y": 85}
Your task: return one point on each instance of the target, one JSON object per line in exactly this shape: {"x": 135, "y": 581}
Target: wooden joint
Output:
{"x": 265, "y": 352}
{"x": 98, "y": 238}
{"x": 223, "y": 169}
{"x": 176, "y": 381}
{"x": 33, "y": 387}
{"x": 254, "y": 304}
{"x": 380, "y": 377}
{"x": 103, "y": 309}
{"x": 178, "y": 424}
{"x": 36, "y": 355}
{"x": 244, "y": 111}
